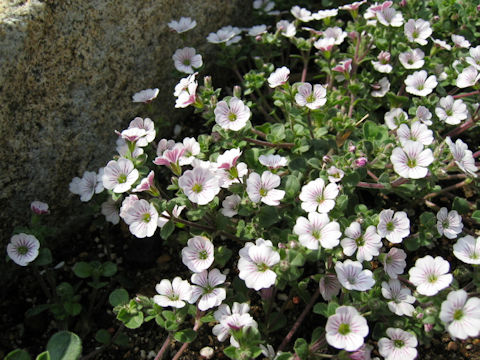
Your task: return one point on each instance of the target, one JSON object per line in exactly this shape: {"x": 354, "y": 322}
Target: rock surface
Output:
{"x": 68, "y": 70}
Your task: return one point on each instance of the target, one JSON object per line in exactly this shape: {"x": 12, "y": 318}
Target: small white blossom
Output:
{"x": 474, "y": 58}
{"x": 381, "y": 88}
{"x": 278, "y": 77}
{"x": 346, "y": 329}
{"x": 467, "y": 249}
{"x": 334, "y": 174}
{"x": 182, "y": 25}
{"x": 394, "y": 226}
{"x": 383, "y": 63}
{"x": 335, "y": 33}
{"x": 323, "y": 14}
{"x": 234, "y": 319}
{"x": 412, "y": 59}
{"x": 366, "y": 245}
{"x": 286, "y": 28}
{"x": 227, "y": 34}
{"x": 145, "y": 96}
{"x": 430, "y": 275}
{"x": 317, "y": 229}
{"x": 312, "y": 99}
{"x": 451, "y": 111}
{"x": 186, "y": 60}
{"x": 173, "y": 293}
{"x": 460, "y": 41}
{"x": 388, "y": 16}
{"x": 232, "y": 115}
{"x": 411, "y": 161}
{"x": 264, "y": 188}
{"x": 119, "y": 175}
{"x": 142, "y": 218}
{"x": 400, "y": 296}
{"x": 352, "y": 276}
{"x": 272, "y": 161}
{"x": 89, "y": 184}
{"x": 329, "y": 286}
{"x": 230, "y": 205}
{"x": 418, "y": 132}
{"x": 185, "y": 91}
{"x": 418, "y": 83}
{"x": 424, "y": 115}
{"x": 39, "y": 207}
{"x": 301, "y": 14}
{"x": 200, "y": 185}
{"x": 461, "y": 316}
{"x": 111, "y": 211}
{"x": 192, "y": 148}
{"x": 23, "y": 249}
{"x": 449, "y": 224}
{"x": 206, "y": 288}
{"x": 468, "y": 77}
{"x": 462, "y": 156}
{"x": 400, "y": 345}
{"x": 395, "y": 117}
{"x": 315, "y": 196}
{"x": 198, "y": 254}
{"x": 394, "y": 262}
{"x": 257, "y": 30}
{"x": 418, "y": 31}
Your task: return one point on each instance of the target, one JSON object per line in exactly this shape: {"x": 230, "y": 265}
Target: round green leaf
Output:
{"x": 103, "y": 336}
{"x": 186, "y": 335}
{"x": 118, "y": 297}
{"x": 109, "y": 269}
{"x": 18, "y": 354}
{"x": 82, "y": 269}
{"x": 64, "y": 345}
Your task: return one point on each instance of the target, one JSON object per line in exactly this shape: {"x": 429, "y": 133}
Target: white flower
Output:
{"x": 401, "y": 297}
{"x": 467, "y": 249}
{"x": 442, "y": 44}
{"x": 119, "y": 175}
{"x": 461, "y": 316}
{"x": 395, "y": 117}
{"x": 460, "y": 41}
{"x": 394, "y": 262}
{"x": 335, "y": 174}
{"x": 200, "y": 185}
{"x": 255, "y": 264}
{"x": 206, "y": 289}
{"x": 185, "y": 91}
{"x": 171, "y": 158}
{"x": 388, "y": 16}
{"x": 232, "y": 115}
{"x": 449, "y": 223}
{"x": 462, "y": 156}
{"x": 165, "y": 216}
{"x": 381, "y": 88}
{"x": 192, "y": 148}
{"x": 230, "y": 205}
{"x": 228, "y": 170}
{"x": 317, "y": 229}
{"x": 272, "y": 161}
{"x": 39, "y": 207}
{"x": 286, "y": 28}
{"x": 324, "y": 44}
{"x": 353, "y": 6}
{"x": 474, "y": 58}
{"x": 451, "y": 111}
{"x": 352, "y": 276}
{"x": 278, "y": 77}
{"x": 127, "y": 203}
{"x": 227, "y": 34}
{"x": 418, "y": 132}
{"x": 424, "y": 115}
{"x": 264, "y": 188}
{"x": 143, "y": 124}
{"x": 123, "y": 149}
{"x": 234, "y": 319}
{"x": 346, "y": 329}
{"x": 198, "y": 254}
{"x": 311, "y": 99}
{"x": 145, "y": 96}
{"x": 89, "y": 184}
{"x": 412, "y": 59}
{"x": 468, "y": 77}
{"x": 335, "y": 33}
{"x": 323, "y": 14}
{"x": 367, "y": 245}
{"x": 401, "y": 345}
{"x": 418, "y": 83}
{"x": 411, "y": 161}
{"x": 329, "y": 286}
{"x": 173, "y": 293}
{"x": 265, "y": 5}
{"x": 417, "y": 31}
{"x": 142, "y": 218}
{"x": 186, "y": 60}
{"x": 110, "y": 211}
{"x": 257, "y": 30}
{"x": 182, "y": 25}
{"x": 23, "y": 248}
{"x": 393, "y": 225}
{"x": 301, "y": 13}
{"x": 315, "y": 196}
{"x": 382, "y": 65}
{"x": 430, "y": 275}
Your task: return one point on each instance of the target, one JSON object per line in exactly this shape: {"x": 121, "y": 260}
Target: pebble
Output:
{"x": 452, "y": 346}
{"x": 469, "y": 346}
{"x": 207, "y": 352}
{"x": 151, "y": 354}
{"x": 143, "y": 354}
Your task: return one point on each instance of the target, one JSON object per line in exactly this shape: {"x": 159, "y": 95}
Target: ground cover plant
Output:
{"x": 337, "y": 173}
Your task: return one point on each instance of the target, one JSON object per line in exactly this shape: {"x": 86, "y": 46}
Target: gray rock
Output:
{"x": 68, "y": 70}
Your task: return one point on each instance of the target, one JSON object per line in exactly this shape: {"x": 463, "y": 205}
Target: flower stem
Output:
{"x": 297, "y": 324}
{"x": 459, "y": 96}
{"x": 197, "y": 326}
{"x": 164, "y": 348}
{"x": 446, "y": 189}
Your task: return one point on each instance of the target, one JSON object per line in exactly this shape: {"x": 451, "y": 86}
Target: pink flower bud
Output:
{"x": 427, "y": 327}
{"x": 237, "y": 91}
{"x": 361, "y": 161}
{"x": 403, "y": 3}
{"x": 352, "y": 147}
{"x": 39, "y": 207}
{"x": 326, "y": 159}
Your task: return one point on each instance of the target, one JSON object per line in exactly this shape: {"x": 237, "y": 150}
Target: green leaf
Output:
{"x": 109, "y": 269}
{"x": 374, "y": 132}
{"x": 222, "y": 255}
{"x": 44, "y": 257}
{"x": 64, "y": 345}
{"x": 82, "y": 269}
{"x": 122, "y": 340}
{"x": 103, "y": 336}
{"x": 169, "y": 315}
{"x": 276, "y": 321}
{"x": 43, "y": 356}
{"x": 317, "y": 333}
{"x": 207, "y": 318}
{"x": 186, "y": 335}
{"x": 268, "y": 216}
{"x": 476, "y": 216}
{"x": 167, "y": 230}
{"x": 135, "y": 321}
{"x": 118, "y": 297}
{"x": 461, "y": 205}
{"x": 301, "y": 348}
{"x": 292, "y": 186}
{"x": 331, "y": 308}
{"x": 231, "y": 352}
{"x": 65, "y": 290}
{"x": 284, "y": 356}
{"x": 18, "y": 354}
{"x": 277, "y": 133}
{"x": 298, "y": 164}
{"x": 36, "y": 310}
{"x": 321, "y": 309}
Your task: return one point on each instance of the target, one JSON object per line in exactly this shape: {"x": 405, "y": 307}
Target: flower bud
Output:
{"x": 327, "y": 159}
{"x": 351, "y": 147}
{"x": 207, "y": 81}
{"x": 403, "y": 3}
{"x": 427, "y": 327}
{"x": 353, "y": 35}
{"x": 237, "y": 91}
{"x": 361, "y": 161}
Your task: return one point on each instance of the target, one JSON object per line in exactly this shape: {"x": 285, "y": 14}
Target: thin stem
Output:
{"x": 299, "y": 321}
{"x": 444, "y": 190}
{"x": 164, "y": 347}
{"x": 197, "y": 326}
{"x": 459, "y": 96}
{"x": 310, "y": 127}
{"x": 42, "y": 283}
{"x": 269, "y": 144}
{"x": 462, "y": 128}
